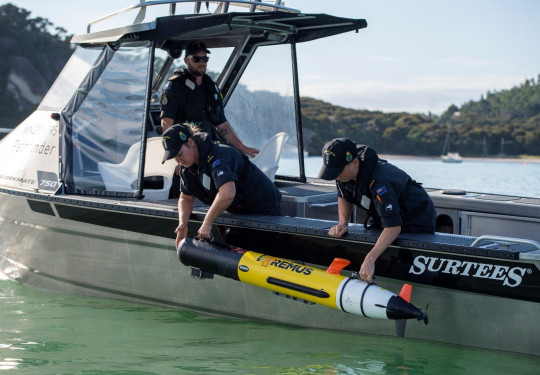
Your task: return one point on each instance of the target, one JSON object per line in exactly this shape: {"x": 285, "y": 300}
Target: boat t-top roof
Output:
{"x": 271, "y": 22}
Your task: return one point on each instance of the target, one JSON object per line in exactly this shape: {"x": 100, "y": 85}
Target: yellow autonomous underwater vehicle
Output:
{"x": 300, "y": 281}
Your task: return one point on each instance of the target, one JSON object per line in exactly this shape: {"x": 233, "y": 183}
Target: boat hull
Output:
{"x": 59, "y": 254}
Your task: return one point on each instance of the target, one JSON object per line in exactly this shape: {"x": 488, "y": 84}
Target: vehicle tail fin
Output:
{"x": 337, "y": 266}
{"x": 405, "y": 292}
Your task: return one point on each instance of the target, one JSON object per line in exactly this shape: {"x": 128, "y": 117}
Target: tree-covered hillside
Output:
{"x": 32, "y": 52}
{"x": 478, "y": 128}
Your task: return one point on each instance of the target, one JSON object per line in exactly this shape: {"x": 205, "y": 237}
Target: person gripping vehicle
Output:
{"x": 394, "y": 201}
{"x": 219, "y": 175}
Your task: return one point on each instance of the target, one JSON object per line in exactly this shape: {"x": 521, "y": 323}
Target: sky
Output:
{"x": 414, "y": 56}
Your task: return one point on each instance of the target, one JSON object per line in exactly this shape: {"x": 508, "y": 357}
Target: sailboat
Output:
{"x": 450, "y": 157}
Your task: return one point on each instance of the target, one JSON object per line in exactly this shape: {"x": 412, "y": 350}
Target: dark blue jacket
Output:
{"x": 389, "y": 194}
{"x": 184, "y": 101}
{"x": 219, "y": 164}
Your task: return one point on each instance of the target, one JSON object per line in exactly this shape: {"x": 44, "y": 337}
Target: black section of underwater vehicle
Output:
{"x": 224, "y": 263}
{"x": 398, "y": 308}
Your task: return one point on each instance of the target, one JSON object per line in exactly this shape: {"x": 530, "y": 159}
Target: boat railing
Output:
{"x": 223, "y": 7}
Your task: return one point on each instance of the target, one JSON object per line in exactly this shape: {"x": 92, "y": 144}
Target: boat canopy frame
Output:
{"x": 245, "y": 32}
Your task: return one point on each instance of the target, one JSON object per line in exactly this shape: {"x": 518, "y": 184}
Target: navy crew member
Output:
{"x": 191, "y": 96}
{"x": 219, "y": 175}
{"x": 394, "y": 201}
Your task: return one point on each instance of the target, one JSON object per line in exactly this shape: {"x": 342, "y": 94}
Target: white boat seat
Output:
{"x": 122, "y": 177}
{"x": 267, "y": 160}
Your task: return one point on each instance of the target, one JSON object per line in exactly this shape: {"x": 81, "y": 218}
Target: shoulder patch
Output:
{"x": 381, "y": 190}
{"x": 216, "y": 163}
{"x": 164, "y": 100}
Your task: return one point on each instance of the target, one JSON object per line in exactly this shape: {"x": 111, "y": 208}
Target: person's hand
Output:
{"x": 338, "y": 230}
{"x": 181, "y": 233}
{"x": 205, "y": 232}
{"x": 367, "y": 269}
{"x": 250, "y": 151}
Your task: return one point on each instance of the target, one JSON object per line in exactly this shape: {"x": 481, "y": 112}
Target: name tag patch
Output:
{"x": 365, "y": 202}
{"x": 190, "y": 84}
{"x": 206, "y": 181}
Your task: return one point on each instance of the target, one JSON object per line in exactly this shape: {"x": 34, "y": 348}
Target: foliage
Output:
{"x": 501, "y": 122}
{"x": 38, "y": 43}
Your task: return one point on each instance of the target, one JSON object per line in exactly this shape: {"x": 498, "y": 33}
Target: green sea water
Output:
{"x": 52, "y": 333}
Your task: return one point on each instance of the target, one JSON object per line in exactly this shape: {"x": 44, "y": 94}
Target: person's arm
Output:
{"x": 223, "y": 200}
{"x": 226, "y": 131}
{"x": 344, "y": 215}
{"x": 388, "y": 235}
{"x": 185, "y": 208}
{"x": 166, "y": 123}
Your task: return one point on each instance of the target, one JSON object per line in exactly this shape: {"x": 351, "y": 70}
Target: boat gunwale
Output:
{"x": 284, "y": 224}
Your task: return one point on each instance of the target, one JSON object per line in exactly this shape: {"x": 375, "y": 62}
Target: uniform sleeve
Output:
{"x": 171, "y": 102}
{"x": 339, "y": 192}
{"x": 387, "y": 205}
{"x": 185, "y": 184}
{"x": 344, "y": 191}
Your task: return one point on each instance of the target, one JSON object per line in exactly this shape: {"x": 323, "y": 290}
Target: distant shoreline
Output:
{"x": 532, "y": 159}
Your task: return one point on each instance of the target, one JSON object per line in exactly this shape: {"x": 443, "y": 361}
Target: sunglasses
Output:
{"x": 197, "y": 59}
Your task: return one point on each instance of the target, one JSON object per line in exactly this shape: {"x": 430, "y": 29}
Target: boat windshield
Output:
{"x": 263, "y": 105}
{"x": 70, "y": 78}
{"x": 104, "y": 154}
{"x": 110, "y": 119}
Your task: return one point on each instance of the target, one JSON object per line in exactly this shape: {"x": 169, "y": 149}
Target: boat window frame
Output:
{"x": 228, "y": 84}
{"x": 56, "y": 104}
{"x": 85, "y": 87}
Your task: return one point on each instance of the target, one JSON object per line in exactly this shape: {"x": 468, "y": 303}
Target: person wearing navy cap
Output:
{"x": 191, "y": 96}
{"x": 219, "y": 175}
{"x": 394, "y": 201}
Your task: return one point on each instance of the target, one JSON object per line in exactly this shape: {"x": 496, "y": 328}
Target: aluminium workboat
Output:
{"x": 85, "y": 208}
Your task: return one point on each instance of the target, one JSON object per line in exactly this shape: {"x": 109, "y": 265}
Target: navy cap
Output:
{"x": 195, "y": 47}
{"x": 336, "y": 155}
{"x": 173, "y": 139}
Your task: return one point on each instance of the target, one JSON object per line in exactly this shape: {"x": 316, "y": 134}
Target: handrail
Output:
{"x": 506, "y": 241}
{"x": 223, "y": 8}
